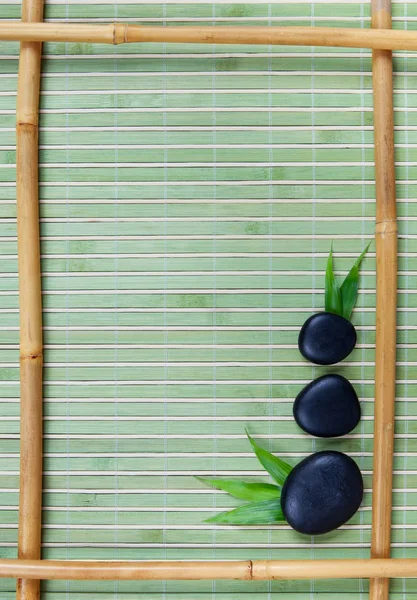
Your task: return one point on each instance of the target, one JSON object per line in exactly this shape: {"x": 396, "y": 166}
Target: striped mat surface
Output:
{"x": 189, "y": 197}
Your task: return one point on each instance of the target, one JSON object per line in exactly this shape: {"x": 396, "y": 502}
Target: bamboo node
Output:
{"x": 120, "y": 34}
{"x": 27, "y": 125}
{"x": 31, "y": 356}
{"x": 250, "y": 569}
{"x": 388, "y": 226}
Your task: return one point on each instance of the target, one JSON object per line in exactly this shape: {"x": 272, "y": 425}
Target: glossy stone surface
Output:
{"x": 322, "y": 493}
{"x": 326, "y": 338}
{"x": 327, "y": 407}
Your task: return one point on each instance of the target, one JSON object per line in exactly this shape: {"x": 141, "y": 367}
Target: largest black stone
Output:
{"x": 322, "y": 492}
{"x": 326, "y": 338}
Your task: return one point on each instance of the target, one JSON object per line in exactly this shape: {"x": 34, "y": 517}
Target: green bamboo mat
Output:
{"x": 189, "y": 198}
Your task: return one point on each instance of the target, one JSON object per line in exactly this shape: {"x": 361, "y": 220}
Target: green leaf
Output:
{"x": 276, "y": 467}
{"x": 257, "y": 513}
{"x": 349, "y": 288}
{"x": 245, "y": 491}
{"x": 332, "y": 296}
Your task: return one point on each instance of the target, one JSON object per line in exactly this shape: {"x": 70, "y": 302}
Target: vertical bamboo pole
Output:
{"x": 386, "y": 301}
{"x": 30, "y": 500}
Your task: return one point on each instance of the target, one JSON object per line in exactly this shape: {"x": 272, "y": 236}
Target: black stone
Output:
{"x": 326, "y": 338}
{"x": 327, "y": 407}
{"x": 322, "y": 492}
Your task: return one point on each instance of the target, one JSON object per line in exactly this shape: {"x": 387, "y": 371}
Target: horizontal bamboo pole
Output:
{"x": 209, "y": 570}
{"x": 117, "y": 33}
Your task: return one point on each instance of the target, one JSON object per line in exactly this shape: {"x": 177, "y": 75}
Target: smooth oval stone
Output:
{"x": 322, "y": 492}
{"x": 326, "y": 338}
{"x": 327, "y": 407}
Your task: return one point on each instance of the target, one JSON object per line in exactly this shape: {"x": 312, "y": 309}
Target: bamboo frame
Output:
{"x": 119, "y": 33}
{"x": 27, "y": 116}
{"x": 256, "y": 570}
{"x": 386, "y": 299}
{"x": 28, "y": 568}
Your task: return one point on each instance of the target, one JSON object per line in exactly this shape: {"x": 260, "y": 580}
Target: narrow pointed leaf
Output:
{"x": 253, "y": 492}
{"x": 349, "y": 288}
{"x": 256, "y": 513}
{"x": 332, "y": 297}
{"x": 277, "y": 468}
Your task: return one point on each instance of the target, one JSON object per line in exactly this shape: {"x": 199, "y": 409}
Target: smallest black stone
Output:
{"x": 327, "y": 407}
{"x": 326, "y": 338}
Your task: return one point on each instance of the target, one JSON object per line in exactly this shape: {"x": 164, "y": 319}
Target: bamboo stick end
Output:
{"x": 28, "y": 589}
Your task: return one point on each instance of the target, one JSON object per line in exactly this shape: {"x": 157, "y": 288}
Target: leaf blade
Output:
{"x": 277, "y": 468}
{"x": 253, "y": 492}
{"x": 332, "y": 296}
{"x": 256, "y": 513}
{"x": 349, "y": 287}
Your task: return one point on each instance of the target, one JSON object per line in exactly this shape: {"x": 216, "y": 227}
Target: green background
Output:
{"x": 189, "y": 196}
